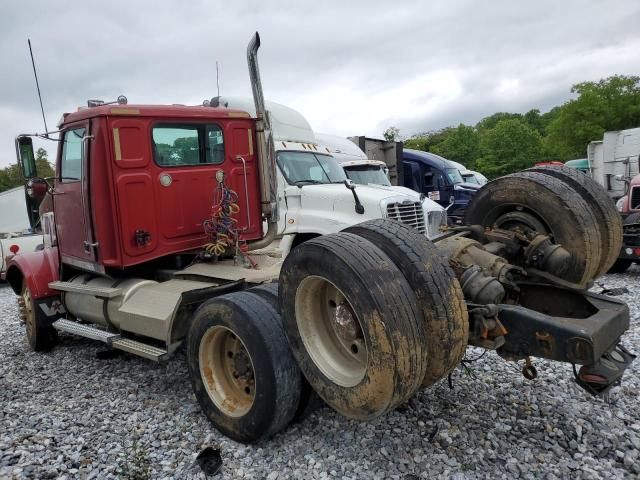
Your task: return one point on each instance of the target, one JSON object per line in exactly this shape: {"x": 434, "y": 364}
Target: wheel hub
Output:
{"x": 227, "y": 372}
{"x": 331, "y": 331}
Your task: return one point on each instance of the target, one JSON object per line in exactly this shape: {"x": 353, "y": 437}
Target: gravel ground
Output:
{"x": 68, "y": 414}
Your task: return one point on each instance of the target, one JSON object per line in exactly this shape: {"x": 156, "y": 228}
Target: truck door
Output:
{"x": 435, "y": 186}
{"x": 71, "y": 199}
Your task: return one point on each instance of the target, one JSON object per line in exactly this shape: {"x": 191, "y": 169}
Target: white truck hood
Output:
{"x": 308, "y": 207}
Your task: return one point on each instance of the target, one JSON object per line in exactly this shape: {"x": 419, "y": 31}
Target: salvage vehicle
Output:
{"x": 155, "y": 239}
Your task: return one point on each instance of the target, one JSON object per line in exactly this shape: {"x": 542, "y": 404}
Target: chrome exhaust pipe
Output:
{"x": 264, "y": 138}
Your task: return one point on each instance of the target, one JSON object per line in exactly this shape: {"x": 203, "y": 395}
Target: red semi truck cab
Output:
{"x": 630, "y": 203}
{"x": 135, "y": 182}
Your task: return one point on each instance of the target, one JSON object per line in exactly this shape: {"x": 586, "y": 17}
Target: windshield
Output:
{"x": 454, "y": 175}
{"x": 367, "y": 175}
{"x": 307, "y": 167}
{"x": 470, "y": 178}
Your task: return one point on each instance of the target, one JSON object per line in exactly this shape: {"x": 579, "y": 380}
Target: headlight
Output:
{"x": 620, "y": 204}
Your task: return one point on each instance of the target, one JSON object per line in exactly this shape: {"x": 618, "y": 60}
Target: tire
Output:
{"x": 548, "y": 200}
{"x": 604, "y": 210}
{"x": 242, "y": 326}
{"x": 352, "y": 324}
{"x": 309, "y": 400}
{"x": 41, "y": 336}
{"x": 435, "y": 286}
{"x": 620, "y": 266}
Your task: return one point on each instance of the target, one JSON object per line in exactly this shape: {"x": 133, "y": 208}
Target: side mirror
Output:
{"x": 26, "y": 158}
{"x": 621, "y": 178}
{"x": 349, "y": 184}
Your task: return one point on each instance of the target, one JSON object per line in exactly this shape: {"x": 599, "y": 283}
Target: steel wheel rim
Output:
{"x": 331, "y": 331}
{"x": 26, "y": 311}
{"x": 227, "y": 372}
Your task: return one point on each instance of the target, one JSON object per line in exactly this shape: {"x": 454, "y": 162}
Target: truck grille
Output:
{"x": 434, "y": 221}
{"x": 409, "y": 213}
{"x": 634, "y": 202}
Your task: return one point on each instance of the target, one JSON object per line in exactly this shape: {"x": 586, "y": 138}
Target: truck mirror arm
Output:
{"x": 352, "y": 186}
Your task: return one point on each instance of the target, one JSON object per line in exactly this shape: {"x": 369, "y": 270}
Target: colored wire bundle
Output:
{"x": 221, "y": 227}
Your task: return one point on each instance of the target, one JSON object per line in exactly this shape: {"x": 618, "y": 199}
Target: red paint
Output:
{"x": 119, "y": 197}
{"x": 37, "y": 269}
{"x": 14, "y": 248}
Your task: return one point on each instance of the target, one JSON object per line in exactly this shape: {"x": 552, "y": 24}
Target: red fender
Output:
{"x": 37, "y": 268}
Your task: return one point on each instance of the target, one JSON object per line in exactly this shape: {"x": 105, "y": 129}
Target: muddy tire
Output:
{"x": 352, "y": 324}
{"x": 41, "y": 336}
{"x": 309, "y": 400}
{"x": 242, "y": 371}
{"x": 548, "y": 201}
{"x": 435, "y": 286}
{"x": 604, "y": 210}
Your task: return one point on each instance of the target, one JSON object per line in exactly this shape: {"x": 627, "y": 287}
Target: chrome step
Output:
{"x": 140, "y": 349}
{"x": 102, "y": 292}
{"x": 85, "y": 330}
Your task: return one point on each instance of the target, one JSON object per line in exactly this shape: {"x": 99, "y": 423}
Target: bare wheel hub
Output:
{"x": 331, "y": 331}
{"x": 227, "y": 371}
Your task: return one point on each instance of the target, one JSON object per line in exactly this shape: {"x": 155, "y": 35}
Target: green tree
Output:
{"x": 461, "y": 145}
{"x": 510, "y": 146}
{"x": 11, "y": 176}
{"x": 44, "y": 168}
{"x": 612, "y": 103}
{"x": 492, "y": 120}
{"x": 427, "y": 141}
{"x": 391, "y": 134}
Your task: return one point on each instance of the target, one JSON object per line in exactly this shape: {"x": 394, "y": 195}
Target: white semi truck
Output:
{"x": 374, "y": 173}
{"x": 313, "y": 198}
{"x": 614, "y": 159}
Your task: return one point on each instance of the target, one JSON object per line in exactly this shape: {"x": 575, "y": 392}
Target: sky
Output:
{"x": 350, "y": 67}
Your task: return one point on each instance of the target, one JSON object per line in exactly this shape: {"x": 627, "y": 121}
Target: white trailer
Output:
{"x": 15, "y": 231}
{"x": 617, "y": 154}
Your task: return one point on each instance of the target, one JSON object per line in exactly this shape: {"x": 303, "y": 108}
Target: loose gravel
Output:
{"x": 69, "y": 414}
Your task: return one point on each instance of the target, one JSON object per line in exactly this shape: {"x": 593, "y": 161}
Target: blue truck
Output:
{"x": 425, "y": 172}
{"x": 439, "y": 179}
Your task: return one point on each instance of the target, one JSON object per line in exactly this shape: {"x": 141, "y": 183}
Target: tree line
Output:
{"x": 506, "y": 142}
{"x": 11, "y": 176}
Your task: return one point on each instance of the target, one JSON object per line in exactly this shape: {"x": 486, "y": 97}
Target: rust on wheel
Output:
{"x": 27, "y": 315}
{"x": 227, "y": 371}
{"x": 331, "y": 331}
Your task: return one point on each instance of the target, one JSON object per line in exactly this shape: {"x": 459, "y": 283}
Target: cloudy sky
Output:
{"x": 351, "y": 67}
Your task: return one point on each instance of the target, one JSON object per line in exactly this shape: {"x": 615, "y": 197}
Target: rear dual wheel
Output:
{"x": 437, "y": 290}
{"x": 537, "y": 202}
{"x": 604, "y": 210}
{"x": 241, "y": 368}
{"x": 354, "y": 313}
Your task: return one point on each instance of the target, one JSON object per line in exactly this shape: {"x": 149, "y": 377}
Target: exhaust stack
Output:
{"x": 264, "y": 134}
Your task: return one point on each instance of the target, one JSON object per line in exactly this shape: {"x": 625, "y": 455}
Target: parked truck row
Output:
{"x": 169, "y": 225}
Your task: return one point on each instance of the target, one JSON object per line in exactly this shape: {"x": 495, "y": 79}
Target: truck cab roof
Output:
{"x": 169, "y": 111}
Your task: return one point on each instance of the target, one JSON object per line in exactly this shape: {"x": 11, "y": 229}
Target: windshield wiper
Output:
{"x": 300, "y": 183}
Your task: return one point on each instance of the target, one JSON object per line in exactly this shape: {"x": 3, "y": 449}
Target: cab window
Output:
{"x": 71, "y": 161}
{"x": 184, "y": 145}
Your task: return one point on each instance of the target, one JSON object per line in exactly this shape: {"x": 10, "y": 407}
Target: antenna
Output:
{"x": 35, "y": 74}
{"x": 217, "y": 78}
